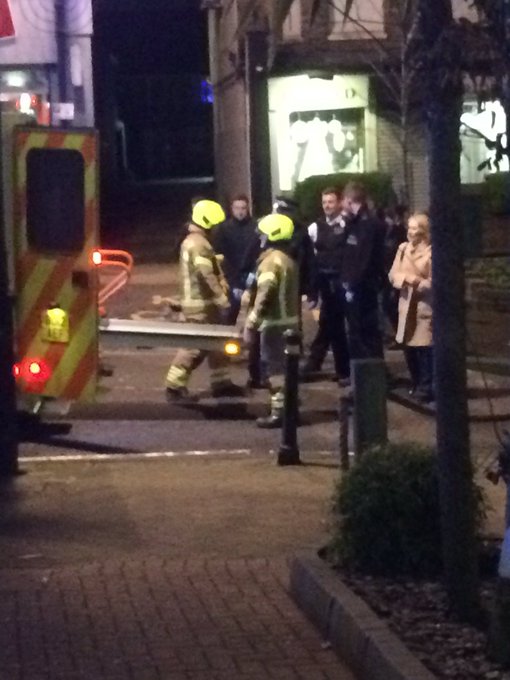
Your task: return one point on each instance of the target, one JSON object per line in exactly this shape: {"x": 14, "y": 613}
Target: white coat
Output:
{"x": 415, "y": 302}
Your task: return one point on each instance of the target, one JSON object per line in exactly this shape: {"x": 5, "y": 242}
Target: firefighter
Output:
{"x": 204, "y": 299}
{"x": 274, "y": 307}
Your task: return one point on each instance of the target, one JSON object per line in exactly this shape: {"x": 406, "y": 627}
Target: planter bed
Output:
{"x": 391, "y": 630}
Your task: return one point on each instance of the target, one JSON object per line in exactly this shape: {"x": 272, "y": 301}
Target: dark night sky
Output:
{"x": 150, "y": 58}
{"x": 161, "y": 37}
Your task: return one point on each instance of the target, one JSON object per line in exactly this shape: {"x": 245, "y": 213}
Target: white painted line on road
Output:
{"x": 133, "y": 456}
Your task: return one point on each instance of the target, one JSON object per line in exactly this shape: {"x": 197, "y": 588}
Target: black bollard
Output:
{"x": 289, "y": 451}
{"x": 370, "y": 420}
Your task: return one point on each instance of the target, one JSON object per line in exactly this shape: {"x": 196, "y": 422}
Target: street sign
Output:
{"x": 63, "y": 110}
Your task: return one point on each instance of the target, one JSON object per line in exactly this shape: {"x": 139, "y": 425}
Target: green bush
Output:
{"x": 386, "y": 513}
{"x": 495, "y": 271}
{"x": 496, "y": 193}
{"x": 308, "y": 192}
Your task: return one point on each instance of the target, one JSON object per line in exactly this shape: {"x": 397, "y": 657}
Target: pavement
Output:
{"x": 152, "y": 541}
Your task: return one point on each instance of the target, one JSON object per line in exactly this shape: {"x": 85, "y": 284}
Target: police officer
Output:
{"x": 362, "y": 274}
{"x": 328, "y": 236}
{"x": 274, "y": 307}
{"x": 204, "y": 299}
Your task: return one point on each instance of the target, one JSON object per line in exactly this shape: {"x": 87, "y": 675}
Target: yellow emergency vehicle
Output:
{"x": 52, "y": 229}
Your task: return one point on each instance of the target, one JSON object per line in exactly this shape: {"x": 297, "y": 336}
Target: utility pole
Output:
{"x": 256, "y": 56}
{"x": 65, "y": 87}
{"x": 8, "y": 415}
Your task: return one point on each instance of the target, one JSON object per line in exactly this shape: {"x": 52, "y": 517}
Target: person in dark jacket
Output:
{"x": 328, "y": 235}
{"x": 235, "y": 239}
{"x": 395, "y": 224}
{"x": 362, "y": 274}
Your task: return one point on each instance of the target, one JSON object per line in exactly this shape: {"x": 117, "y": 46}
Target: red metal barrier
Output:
{"x": 118, "y": 265}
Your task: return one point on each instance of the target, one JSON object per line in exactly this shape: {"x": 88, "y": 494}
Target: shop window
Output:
{"x": 291, "y": 29}
{"x": 481, "y": 123}
{"x": 325, "y": 142}
{"x": 464, "y": 10}
{"x": 366, "y": 20}
{"x": 55, "y": 201}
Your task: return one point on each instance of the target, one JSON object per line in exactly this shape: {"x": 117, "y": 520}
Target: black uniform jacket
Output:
{"x": 363, "y": 253}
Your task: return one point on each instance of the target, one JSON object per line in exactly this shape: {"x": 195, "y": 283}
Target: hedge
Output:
{"x": 308, "y": 192}
{"x": 496, "y": 193}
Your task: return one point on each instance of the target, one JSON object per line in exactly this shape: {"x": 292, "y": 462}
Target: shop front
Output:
{"x": 319, "y": 126}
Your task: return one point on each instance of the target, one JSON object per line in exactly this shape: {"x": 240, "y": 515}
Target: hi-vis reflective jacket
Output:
{"x": 275, "y": 303}
{"x": 203, "y": 285}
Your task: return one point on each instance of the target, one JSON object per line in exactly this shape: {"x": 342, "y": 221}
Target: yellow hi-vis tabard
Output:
{"x": 55, "y": 325}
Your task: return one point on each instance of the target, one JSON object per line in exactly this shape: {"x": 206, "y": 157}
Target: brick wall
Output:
{"x": 389, "y": 154}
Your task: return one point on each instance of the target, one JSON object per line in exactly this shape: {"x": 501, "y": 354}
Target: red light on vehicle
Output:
{"x": 97, "y": 257}
{"x": 35, "y": 370}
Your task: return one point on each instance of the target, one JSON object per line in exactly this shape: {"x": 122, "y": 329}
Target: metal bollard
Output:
{"x": 288, "y": 453}
{"x": 370, "y": 421}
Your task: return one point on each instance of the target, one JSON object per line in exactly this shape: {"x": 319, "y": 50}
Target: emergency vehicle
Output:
{"x": 55, "y": 267}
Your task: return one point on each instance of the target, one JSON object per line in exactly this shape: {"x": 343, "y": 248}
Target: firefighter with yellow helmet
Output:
{"x": 204, "y": 299}
{"x": 274, "y": 307}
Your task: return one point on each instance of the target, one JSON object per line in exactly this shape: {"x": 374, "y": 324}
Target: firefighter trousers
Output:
{"x": 187, "y": 360}
{"x": 272, "y": 349}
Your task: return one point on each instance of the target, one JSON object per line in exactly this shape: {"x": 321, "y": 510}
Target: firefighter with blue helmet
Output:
{"x": 274, "y": 305}
{"x": 204, "y": 299}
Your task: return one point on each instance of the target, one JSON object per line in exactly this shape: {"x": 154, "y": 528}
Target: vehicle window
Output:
{"x": 55, "y": 200}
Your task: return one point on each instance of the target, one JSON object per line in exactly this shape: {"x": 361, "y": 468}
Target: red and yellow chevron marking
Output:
{"x": 43, "y": 279}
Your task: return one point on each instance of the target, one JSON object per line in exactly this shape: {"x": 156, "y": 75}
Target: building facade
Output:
{"x": 320, "y": 98}
{"x": 45, "y": 60}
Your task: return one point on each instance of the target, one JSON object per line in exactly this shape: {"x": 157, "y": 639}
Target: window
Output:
{"x": 366, "y": 20}
{"x": 291, "y": 29}
{"x": 325, "y": 142}
{"x": 55, "y": 201}
{"x": 481, "y": 123}
{"x": 464, "y": 10}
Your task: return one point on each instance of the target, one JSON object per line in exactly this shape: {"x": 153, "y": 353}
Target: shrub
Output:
{"x": 496, "y": 193}
{"x": 387, "y": 515}
{"x": 308, "y": 192}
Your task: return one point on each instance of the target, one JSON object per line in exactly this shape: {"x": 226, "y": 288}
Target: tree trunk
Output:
{"x": 443, "y": 108}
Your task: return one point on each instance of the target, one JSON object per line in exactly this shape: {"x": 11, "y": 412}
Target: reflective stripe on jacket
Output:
{"x": 276, "y": 298}
{"x": 203, "y": 284}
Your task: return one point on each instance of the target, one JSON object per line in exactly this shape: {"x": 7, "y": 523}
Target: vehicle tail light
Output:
{"x": 33, "y": 371}
{"x": 97, "y": 257}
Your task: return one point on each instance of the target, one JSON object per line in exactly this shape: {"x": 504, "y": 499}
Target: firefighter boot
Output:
{"x": 180, "y": 395}
{"x": 275, "y": 418}
{"x": 226, "y": 389}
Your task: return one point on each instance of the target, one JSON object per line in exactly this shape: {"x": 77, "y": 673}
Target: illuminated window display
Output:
{"x": 324, "y": 142}
{"x": 319, "y": 126}
{"x": 481, "y": 122}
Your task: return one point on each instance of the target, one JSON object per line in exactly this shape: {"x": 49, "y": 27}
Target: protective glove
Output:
{"x": 237, "y": 293}
{"x": 349, "y": 294}
{"x": 250, "y": 280}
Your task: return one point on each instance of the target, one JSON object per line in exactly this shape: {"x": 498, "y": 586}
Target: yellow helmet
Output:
{"x": 207, "y": 214}
{"x": 276, "y": 227}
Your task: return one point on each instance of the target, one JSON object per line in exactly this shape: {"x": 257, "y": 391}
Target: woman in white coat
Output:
{"x": 411, "y": 273}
